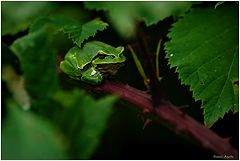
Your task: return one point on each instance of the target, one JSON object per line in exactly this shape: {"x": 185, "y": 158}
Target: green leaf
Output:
{"x": 17, "y": 16}
{"x": 76, "y": 31}
{"x": 38, "y": 64}
{"x": 26, "y": 136}
{"x": 95, "y": 120}
{"x": 84, "y": 120}
{"x": 80, "y": 33}
{"x": 204, "y": 50}
{"x": 123, "y": 15}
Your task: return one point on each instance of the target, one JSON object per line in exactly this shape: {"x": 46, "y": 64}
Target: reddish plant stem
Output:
{"x": 174, "y": 117}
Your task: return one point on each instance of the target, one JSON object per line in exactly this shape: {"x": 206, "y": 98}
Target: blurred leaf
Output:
{"x": 57, "y": 21}
{"x": 157, "y": 11}
{"x": 76, "y": 31}
{"x": 204, "y": 48}
{"x": 17, "y": 16}
{"x": 123, "y": 15}
{"x": 38, "y": 64}
{"x": 84, "y": 120}
{"x": 74, "y": 10}
{"x": 95, "y": 120}
{"x": 8, "y": 57}
{"x": 26, "y": 136}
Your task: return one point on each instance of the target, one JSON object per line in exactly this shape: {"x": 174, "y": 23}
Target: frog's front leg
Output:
{"x": 92, "y": 76}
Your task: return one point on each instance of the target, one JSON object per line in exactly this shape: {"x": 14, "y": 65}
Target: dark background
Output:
{"x": 125, "y": 137}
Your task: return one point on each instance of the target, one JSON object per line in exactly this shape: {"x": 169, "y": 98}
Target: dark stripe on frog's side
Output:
{"x": 111, "y": 69}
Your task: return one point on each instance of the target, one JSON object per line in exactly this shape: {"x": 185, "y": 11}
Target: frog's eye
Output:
{"x": 101, "y": 56}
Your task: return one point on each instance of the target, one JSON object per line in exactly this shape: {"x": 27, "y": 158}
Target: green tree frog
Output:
{"x": 93, "y": 62}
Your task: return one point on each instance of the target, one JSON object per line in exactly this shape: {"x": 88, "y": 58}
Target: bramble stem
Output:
{"x": 170, "y": 114}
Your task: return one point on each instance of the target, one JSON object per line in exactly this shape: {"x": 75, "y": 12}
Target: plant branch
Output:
{"x": 149, "y": 64}
{"x": 170, "y": 114}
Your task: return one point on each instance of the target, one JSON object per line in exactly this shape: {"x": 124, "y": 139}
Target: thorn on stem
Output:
{"x": 183, "y": 106}
{"x": 146, "y": 110}
{"x": 146, "y": 122}
{"x": 227, "y": 139}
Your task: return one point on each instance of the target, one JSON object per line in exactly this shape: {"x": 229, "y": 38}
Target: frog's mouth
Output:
{"x": 101, "y": 58}
{"x": 106, "y": 69}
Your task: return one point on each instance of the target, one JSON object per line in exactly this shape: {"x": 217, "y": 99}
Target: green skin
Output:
{"x": 89, "y": 63}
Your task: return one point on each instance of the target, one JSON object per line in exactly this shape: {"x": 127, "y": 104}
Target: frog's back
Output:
{"x": 92, "y": 49}
{"x": 105, "y": 48}
{"x": 85, "y": 55}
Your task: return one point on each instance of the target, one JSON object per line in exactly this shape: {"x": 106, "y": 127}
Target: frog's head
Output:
{"x": 70, "y": 65}
{"x": 110, "y": 56}
{"x": 108, "y": 62}
{"x": 94, "y": 61}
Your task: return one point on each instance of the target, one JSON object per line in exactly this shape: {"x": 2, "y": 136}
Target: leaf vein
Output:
{"x": 202, "y": 65}
{"x": 203, "y": 43}
{"x": 230, "y": 69}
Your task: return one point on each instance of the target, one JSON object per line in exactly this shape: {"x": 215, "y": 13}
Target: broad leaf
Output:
{"x": 17, "y": 16}
{"x": 84, "y": 120}
{"x": 204, "y": 50}
{"x": 38, "y": 64}
{"x": 76, "y": 31}
{"x": 26, "y": 136}
{"x": 123, "y": 15}
{"x": 80, "y": 33}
